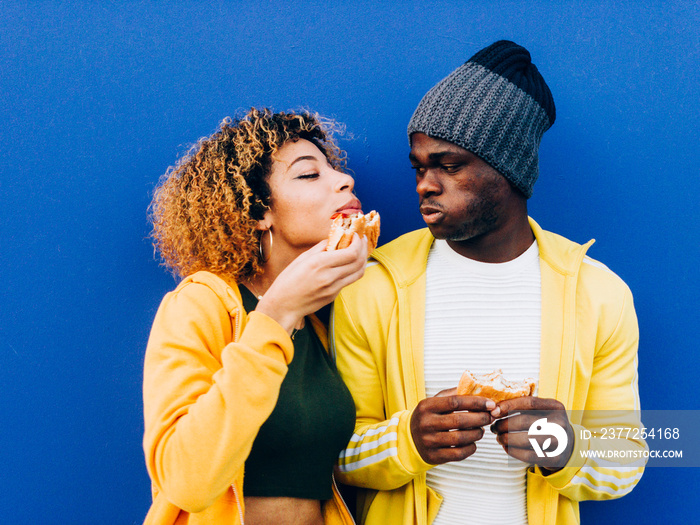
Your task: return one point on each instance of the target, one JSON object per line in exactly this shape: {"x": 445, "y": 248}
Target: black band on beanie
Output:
{"x": 514, "y": 63}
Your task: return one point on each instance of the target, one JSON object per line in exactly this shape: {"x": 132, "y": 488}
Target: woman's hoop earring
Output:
{"x": 262, "y": 255}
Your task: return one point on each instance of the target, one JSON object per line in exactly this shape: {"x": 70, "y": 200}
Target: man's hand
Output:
{"x": 512, "y": 432}
{"x": 446, "y": 427}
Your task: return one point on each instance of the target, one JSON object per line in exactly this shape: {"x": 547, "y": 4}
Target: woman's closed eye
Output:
{"x": 310, "y": 175}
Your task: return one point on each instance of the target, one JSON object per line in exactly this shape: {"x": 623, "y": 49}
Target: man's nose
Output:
{"x": 428, "y": 184}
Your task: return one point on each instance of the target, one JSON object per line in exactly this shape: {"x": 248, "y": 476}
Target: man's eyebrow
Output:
{"x": 435, "y": 156}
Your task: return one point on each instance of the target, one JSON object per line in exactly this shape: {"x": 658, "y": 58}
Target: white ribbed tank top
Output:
{"x": 481, "y": 317}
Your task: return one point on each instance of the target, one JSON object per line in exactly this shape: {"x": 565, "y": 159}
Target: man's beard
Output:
{"x": 481, "y": 215}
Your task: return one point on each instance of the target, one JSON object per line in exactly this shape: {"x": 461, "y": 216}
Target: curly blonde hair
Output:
{"x": 205, "y": 209}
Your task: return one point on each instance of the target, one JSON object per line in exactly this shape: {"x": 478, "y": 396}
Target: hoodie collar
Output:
{"x": 407, "y": 256}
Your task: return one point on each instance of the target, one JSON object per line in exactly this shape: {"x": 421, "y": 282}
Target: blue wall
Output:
{"x": 97, "y": 101}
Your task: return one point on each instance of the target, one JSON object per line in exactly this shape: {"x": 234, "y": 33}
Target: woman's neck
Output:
{"x": 270, "y": 270}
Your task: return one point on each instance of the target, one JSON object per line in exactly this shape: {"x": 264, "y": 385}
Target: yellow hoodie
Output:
{"x": 212, "y": 375}
{"x": 588, "y": 362}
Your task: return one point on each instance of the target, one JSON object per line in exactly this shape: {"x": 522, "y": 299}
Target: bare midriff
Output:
{"x": 282, "y": 511}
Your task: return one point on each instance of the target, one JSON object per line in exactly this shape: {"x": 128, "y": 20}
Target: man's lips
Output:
{"x": 431, "y": 214}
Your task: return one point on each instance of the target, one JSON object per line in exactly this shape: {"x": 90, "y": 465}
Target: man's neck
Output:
{"x": 501, "y": 245}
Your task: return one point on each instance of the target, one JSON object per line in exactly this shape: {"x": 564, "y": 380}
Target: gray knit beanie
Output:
{"x": 497, "y": 106}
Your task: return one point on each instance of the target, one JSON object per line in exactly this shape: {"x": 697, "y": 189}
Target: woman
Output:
{"x": 236, "y": 374}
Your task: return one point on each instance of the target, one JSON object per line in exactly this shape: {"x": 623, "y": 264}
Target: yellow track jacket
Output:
{"x": 588, "y": 362}
{"x": 212, "y": 375}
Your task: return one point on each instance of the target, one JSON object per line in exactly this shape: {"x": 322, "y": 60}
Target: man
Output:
{"x": 485, "y": 288}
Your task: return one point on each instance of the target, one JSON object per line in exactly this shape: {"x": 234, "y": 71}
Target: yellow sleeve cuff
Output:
{"x": 265, "y": 335}
{"x": 563, "y": 477}
{"x": 409, "y": 456}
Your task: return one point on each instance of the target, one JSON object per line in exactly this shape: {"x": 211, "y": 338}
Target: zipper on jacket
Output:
{"x": 238, "y": 503}
{"x": 237, "y": 334}
{"x": 339, "y": 497}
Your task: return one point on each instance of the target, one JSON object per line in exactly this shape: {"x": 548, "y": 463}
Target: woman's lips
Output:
{"x": 350, "y": 211}
{"x": 351, "y": 207}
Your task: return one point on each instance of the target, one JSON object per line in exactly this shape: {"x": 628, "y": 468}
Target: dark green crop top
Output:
{"x": 296, "y": 448}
